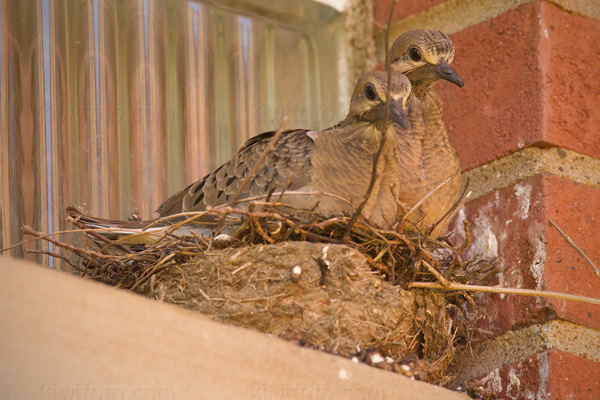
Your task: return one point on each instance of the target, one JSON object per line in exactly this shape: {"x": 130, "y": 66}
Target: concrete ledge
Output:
{"x": 65, "y": 337}
{"x": 586, "y": 8}
{"x": 529, "y": 162}
{"x": 449, "y": 17}
{"x": 516, "y": 345}
{"x": 455, "y": 15}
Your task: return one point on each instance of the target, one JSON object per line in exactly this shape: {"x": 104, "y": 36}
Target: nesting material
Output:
{"x": 289, "y": 277}
{"x": 338, "y": 308}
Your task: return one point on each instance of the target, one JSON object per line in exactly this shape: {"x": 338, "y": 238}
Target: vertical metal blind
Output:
{"x": 114, "y": 105}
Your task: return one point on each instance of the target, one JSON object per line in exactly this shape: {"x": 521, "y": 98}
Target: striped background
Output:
{"x": 113, "y": 105}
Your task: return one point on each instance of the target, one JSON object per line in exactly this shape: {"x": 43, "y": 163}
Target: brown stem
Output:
{"x": 570, "y": 241}
{"x": 505, "y": 290}
{"x": 377, "y": 155}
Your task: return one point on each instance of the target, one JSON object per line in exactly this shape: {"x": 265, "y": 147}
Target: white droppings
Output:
{"x": 343, "y": 374}
{"x": 484, "y": 241}
{"x": 491, "y": 249}
{"x": 536, "y": 238}
{"x": 543, "y": 26}
{"x": 493, "y": 381}
{"x": 459, "y": 229}
{"x": 296, "y": 273}
{"x": 513, "y": 387}
{"x": 376, "y": 358}
{"x": 523, "y": 195}
{"x": 483, "y": 237}
{"x": 223, "y": 237}
{"x": 325, "y": 260}
{"x": 543, "y": 370}
{"x": 500, "y": 276}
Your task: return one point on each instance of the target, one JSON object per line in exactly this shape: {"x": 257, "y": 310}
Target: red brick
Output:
{"x": 572, "y": 377}
{"x": 531, "y": 79}
{"x": 402, "y": 10}
{"x": 551, "y": 375}
{"x": 570, "y": 55}
{"x": 533, "y": 254}
{"x": 518, "y": 381}
{"x": 575, "y": 208}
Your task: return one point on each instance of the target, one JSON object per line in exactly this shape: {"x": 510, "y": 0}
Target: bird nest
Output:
{"x": 305, "y": 278}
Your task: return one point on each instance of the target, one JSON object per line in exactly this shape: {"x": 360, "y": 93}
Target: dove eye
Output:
{"x": 370, "y": 92}
{"x": 414, "y": 53}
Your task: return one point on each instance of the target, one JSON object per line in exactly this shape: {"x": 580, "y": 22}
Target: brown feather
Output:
{"x": 426, "y": 153}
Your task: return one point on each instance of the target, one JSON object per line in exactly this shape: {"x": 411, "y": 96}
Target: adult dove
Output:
{"x": 431, "y": 168}
{"x": 336, "y": 162}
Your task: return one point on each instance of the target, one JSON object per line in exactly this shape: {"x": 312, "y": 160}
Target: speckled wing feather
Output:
{"x": 287, "y": 166}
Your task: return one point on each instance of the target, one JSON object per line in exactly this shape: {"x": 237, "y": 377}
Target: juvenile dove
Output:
{"x": 336, "y": 161}
{"x": 428, "y": 158}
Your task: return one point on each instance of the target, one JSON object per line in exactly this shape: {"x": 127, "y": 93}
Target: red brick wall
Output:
{"x": 532, "y": 79}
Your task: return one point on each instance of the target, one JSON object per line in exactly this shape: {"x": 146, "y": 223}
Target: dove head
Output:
{"x": 370, "y": 95}
{"x": 424, "y": 57}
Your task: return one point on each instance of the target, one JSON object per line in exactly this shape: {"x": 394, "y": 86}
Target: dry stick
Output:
{"x": 467, "y": 242}
{"x": 443, "y": 281}
{"x": 102, "y": 238}
{"x": 386, "y": 114}
{"x": 422, "y": 200}
{"x": 254, "y": 170}
{"x": 191, "y": 217}
{"x": 55, "y": 255}
{"x": 215, "y": 210}
{"x": 28, "y": 230}
{"x": 505, "y": 290}
{"x": 568, "y": 240}
{"x": 154, "y": 269}
{"x": 464, "y": 196}
{"x": 263, "y": 197}
{"x": 167, "y": 230}
{"x": 40, "y": 236}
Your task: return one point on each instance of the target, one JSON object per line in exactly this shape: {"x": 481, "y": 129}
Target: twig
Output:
{"x": 335, "y": 196}
{"x": 154, "y": 269}
{"x": 467, "y": 242}
{"x": 28, "y": 230}
{"x": 443, "y": 281}
{"x": 423, "y": 199}
{"x": 505, "y": 290}
{"x": 55, "y": 255}
{"x": 254, "y": 170}
{"x": 386, "y": 114}
{"x": 98, "y": 236}
{"x": 205, "y": 295}
{"x": 43, "y": 236}
{"x": 199, "y": 238}
{"x": 464, "y": 196}
{"x": 568, "y": 240}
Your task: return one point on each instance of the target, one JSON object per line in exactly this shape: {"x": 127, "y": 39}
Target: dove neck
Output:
{"x": 423, "y": 90}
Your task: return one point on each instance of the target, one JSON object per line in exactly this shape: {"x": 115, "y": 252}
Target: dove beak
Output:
{"x": 398, "y": 114}
{"x": 448, "y": 73}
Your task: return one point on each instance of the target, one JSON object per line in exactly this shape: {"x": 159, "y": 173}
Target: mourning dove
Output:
{"x": 428, "y": 157}
{"x": 336, "y": 161}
